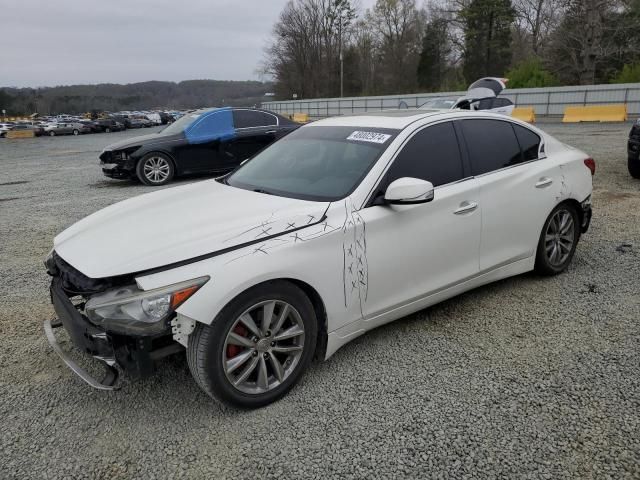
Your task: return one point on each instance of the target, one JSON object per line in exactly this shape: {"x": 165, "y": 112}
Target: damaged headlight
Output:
{"x": 130, "y": 310}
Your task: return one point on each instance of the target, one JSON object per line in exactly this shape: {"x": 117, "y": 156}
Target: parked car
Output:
{"x": 343, "y": 225}
{"x": 206, "y": 141}
{"x": 37, "y": 131}
{"x": 139, "y": 123}
{"x": 54, "y": 129}
{"x": 110, "y": 125}
{"x": 80, "y": 126}
{"x": 123, "y": 120}
{"x": 92, "y": 125}
{"x": 481, "y": 95}
{"x": 439, "y": 103}
{"x": 5, "y": 127}
{"x": 633, "y": 150}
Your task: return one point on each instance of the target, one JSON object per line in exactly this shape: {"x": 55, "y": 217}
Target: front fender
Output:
{"x": 313, "y": 255}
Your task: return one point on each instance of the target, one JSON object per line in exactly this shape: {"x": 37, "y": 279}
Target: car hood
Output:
{"x": 178, "y": 224}
{"x": 143, "y": 140}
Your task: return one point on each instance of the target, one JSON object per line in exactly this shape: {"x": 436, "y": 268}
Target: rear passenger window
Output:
{"x": 501, "y": 102}
{"x": 529, "y": 142}
{"x": 250, "y": 118}
{"x": 492, "y": 145}
{"x": 432, "y": 154}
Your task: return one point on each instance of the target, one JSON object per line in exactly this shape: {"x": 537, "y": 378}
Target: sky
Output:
{"x": 66, "y": 42}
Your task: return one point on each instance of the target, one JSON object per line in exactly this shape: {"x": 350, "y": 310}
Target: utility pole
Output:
{"x": 341, "y": 56}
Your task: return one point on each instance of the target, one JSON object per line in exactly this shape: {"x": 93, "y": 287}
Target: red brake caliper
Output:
{"x": 233, "y": 350}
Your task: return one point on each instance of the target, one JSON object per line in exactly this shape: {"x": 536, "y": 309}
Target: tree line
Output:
{"x": 75, "y": 99}
{"x": 402, "y": 46}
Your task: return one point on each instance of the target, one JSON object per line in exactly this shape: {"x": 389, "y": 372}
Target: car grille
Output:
{"x": 77, "y": 283}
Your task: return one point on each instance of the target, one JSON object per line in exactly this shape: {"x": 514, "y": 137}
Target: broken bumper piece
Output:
{"x": 109, "y": 382}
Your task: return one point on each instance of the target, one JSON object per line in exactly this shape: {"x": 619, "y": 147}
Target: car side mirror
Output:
{"x": 408, "y": 191}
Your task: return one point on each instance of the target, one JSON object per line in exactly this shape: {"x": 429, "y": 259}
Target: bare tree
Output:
{"x": 536, "y": 19}
{"x": 399, "y": 25}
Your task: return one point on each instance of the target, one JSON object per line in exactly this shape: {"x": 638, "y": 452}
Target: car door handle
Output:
{"x": 271, "y": 131}
{"x": 544, "y": 182}
{"x": 466, "y": 207}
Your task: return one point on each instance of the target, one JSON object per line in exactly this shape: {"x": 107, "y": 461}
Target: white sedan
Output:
{"x": 343, "y": 225}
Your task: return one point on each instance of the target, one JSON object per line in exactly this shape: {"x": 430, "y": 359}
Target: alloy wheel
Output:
{"x": 263, "y": 347}
{"x": 559, "y": 237}
{"x": 156, "y": 169}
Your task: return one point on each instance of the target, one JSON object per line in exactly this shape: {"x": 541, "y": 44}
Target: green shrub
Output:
{"x": 628, "y": 74}
{"x": 530, "y": 74}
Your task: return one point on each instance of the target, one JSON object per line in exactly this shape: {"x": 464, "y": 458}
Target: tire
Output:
{"x": 107, "y": 130}
{"x": 52, "y": 133}
{"x": 209, "y": 348}
{"x": 633, "y": 164}
{"x": 155, "y": 169}
{"x": 554, "y": 253}
{"x": 76, "y": 132}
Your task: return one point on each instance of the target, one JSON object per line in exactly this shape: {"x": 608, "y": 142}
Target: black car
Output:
{"x": 109, "y": 125}
{"x": 633, "y": 150}
{"x": 213, "y": 140}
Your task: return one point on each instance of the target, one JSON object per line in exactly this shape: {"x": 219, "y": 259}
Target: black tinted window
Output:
{"x": 250, "y": 118}
{"x": 529, "y": 142}
{"x": 486, "y": 104}
{"x": 501, "y": 102}
{"x": 432, "y": 154}
{"x": 492, "y": 145}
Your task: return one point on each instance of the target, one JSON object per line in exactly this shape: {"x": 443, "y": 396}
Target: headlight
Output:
{"x": 50, "y": 263}
{"x": 132, "y": 311}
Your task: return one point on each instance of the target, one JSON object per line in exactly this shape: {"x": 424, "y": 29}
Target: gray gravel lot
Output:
{"x": 527, "y": 378}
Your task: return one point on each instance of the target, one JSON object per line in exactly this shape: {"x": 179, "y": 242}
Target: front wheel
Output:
{"x": 155, "y": 169}
{"x": 76, "y": 132}
{"x": 107, "y": 130}
{"x": 634, "y": 167}
{"x": 257, "y": 348}
{"x": 52, "y": 133}
{"x": 558, "y": 240}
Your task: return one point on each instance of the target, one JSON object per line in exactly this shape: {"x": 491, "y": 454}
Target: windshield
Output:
{"x": 182, "y": 123}
{"x": 314, "y": 162}
{"x": 441, "y": 103}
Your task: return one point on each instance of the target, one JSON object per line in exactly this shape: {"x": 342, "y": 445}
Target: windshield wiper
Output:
{"x": 260, "y": 190}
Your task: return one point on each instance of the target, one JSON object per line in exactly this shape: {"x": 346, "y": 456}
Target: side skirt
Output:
{"x": 345, "y": 334}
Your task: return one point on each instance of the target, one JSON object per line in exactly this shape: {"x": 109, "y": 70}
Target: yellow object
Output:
{"x": 21, "y": 134}
{"x": 300, "y": 117}
{"x": 526, "y": 114}
{"x": 596, "y": 113}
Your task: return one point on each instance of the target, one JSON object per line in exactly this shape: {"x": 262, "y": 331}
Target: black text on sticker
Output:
{"x": 372, "y": 137}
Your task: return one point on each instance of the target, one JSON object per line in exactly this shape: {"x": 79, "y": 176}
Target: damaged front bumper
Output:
{"x": 117, "y": 170}
{"x": 118, "y": 164}
{"x": 134, "y": 355}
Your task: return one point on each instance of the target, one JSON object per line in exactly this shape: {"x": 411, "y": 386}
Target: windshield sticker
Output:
{"x": 372, "y": 137}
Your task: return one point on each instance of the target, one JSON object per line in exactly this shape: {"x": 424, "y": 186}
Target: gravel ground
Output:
{"x": 527, "y": 378}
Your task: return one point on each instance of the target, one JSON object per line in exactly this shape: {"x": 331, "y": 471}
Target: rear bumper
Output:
{"x": 135, "y": 355}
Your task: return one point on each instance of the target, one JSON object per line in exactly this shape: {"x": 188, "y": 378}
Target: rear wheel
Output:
{"x": 76, "y": 132}
{"x": 52, "y": 133}
{"x": 155, "y": 169}
{"x": 558, "y": 240}
{"x": 107, "y": 130}
{"x": 257, "y": 348}
{"x": 634, "y": 167}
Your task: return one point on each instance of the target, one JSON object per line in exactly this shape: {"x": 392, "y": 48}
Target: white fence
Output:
{"x": 549, "y": 101}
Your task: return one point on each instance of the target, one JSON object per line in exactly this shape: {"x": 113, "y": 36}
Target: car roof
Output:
{"x": 400, "y": 119}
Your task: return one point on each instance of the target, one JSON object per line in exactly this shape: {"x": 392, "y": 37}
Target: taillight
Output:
{"x": 590, "y": 163}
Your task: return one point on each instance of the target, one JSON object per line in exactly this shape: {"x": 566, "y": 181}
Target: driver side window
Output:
{"x": 432, "y": 154}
